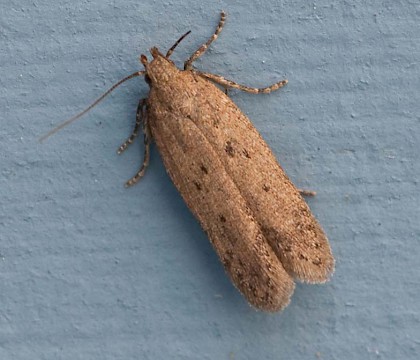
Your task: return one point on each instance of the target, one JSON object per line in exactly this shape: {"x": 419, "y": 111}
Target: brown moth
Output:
{"x": 259, "y": 224}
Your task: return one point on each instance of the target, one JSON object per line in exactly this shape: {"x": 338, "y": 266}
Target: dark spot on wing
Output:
{"x": 204, "y": 169}
{"x": 317, "y": 261}
{"x": 303, "y": 257}
{"x": 246, "y": 154}
{"x": 229, "y": 149}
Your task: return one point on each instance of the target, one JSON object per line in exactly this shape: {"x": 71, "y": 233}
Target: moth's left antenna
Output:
{"x": 79, "y": 115}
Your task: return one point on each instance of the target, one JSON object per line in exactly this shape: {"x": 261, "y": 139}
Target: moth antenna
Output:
{"x": 171, "y": 50}
{"x": 96, "y": 102}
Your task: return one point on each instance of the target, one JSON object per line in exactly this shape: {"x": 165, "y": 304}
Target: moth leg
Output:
{"x": 147, "y": 141}
{"x": 307, "y": 192}
{"x": 231, "y": 84}
{"x": 134, "y": 134}
{"x": 202, "y": 49}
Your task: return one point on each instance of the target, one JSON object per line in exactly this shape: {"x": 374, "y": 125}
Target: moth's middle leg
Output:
{"x": 135, "y": 132}
{"x": 141, "y": 118}
{"x": 146, "y": 159}
{"x": 147, "y": 135}
{"x": 231, "y": 84}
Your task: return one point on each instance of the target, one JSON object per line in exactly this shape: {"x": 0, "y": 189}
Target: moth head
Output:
{"x": 160, "y": 69}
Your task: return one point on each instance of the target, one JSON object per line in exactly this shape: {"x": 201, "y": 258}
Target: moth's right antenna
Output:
{"x": 171, "y": 50}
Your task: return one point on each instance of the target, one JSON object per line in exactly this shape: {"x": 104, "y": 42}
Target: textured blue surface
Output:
{"x": 90, "y": 270}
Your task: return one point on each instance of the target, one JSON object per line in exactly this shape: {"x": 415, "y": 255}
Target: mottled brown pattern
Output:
{"x": 258, "y": 223}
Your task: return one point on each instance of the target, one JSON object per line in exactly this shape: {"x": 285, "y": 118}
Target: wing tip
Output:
{"x": 274, "y": 301}
{"x": 314, "y": 273}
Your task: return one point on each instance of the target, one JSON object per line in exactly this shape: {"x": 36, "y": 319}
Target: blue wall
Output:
{"x": 91, "y": 270}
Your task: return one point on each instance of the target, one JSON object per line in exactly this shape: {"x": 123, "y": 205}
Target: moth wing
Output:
{"x": 213, "y": 197}
{"x": 285, "y": 219}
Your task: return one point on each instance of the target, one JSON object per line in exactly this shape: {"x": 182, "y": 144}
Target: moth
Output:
{"x": 257, "y": 221}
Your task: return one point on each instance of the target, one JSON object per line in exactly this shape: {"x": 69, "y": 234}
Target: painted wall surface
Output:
{"x": 91, "y": 270}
